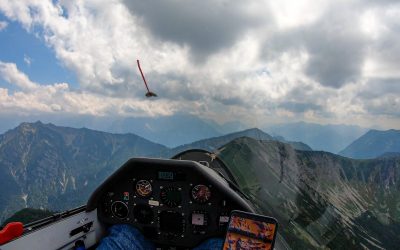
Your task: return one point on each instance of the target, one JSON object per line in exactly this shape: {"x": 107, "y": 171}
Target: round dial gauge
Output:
{"x": 201, "y": 193}
{"x": 171, "y": 196}
{"x": 143, "y": 188}
{"x": 119, "y": 209}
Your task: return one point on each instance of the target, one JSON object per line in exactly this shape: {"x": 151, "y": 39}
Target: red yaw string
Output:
{"x": 141, "y": 72}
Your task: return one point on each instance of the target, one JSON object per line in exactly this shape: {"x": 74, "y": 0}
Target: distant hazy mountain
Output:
{"x": 228, "y": 127}
{"x": 330, "y": 138}
{"x": 321, "y": 200}
{"x": 373, "y": 144}
{"x": 212, "y": 144}
{"x": 179, "y": 129}
{"x": 42, "y": 165}
{"x": 171, "y": 131}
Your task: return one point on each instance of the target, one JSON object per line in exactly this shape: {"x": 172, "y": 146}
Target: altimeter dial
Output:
{"x": 144, "y": 188}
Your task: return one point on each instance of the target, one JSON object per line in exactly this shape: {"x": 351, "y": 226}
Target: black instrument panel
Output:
{"x": 174, "y": 203}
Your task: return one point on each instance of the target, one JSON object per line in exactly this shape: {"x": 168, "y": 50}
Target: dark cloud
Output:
{"x": 377, "y": 88}
{"x": 379, "y": 96}
{"x": 175, "y": 87}
{"x": 179, "y": 87}
{"x": 304, "y": 98}
{"x": 336, "y": 54}
{"x": 336, "y": 49}
{"x": 205, "y": 26}
{"x": 387, "y": 48}
{"x": 389, "y": 107}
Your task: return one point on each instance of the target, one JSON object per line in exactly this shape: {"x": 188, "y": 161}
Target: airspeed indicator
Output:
{"x": 201, "y": 193}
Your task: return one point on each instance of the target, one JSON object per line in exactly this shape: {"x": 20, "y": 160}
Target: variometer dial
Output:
{"x": 201, "y": 193}
{"x": 171, "y": 196}
{"x": 143, "y": 188}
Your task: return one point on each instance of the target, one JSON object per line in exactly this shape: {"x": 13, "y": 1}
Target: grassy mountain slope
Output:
{"x": 320, "y": 199}
{"x": 214, "y": 143}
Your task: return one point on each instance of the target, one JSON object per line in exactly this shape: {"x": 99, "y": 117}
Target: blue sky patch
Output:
{"x": 32, "y": 56}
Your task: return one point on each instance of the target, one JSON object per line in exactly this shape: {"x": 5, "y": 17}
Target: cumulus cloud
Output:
{"x": 204, "y": 26}
{"x": 383, "y": 27}
{"x": 218, "y": 59}
{"x": 382, "y": 95}
{"x": 58, "y": 97}
{"x": 99, "y": 45}
{"x": 335, "y": 49}
{"x": 10, "y": 73}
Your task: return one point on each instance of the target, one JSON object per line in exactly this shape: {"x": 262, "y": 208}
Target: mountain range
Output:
{"x": 46, "y": 166}
{"x": 320, "y": 199}
{"x": 179, "y": 129}
{"x": 171, "y": 131}
{"x": 329, "y": 138}
{"x": 373, "y": 144}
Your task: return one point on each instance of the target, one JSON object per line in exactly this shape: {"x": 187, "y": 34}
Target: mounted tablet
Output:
{"x": 250, "y": 231}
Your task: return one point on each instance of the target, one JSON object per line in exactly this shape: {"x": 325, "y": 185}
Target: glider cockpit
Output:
{"x": 172, "y": 202}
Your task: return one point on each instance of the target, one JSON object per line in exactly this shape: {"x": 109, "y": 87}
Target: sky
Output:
{"x": 257, "y": 62}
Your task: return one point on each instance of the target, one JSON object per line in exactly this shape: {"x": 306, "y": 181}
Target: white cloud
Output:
{"x": 10, "y": 73}
{"x": 290, "y": 14}
{"x": 302, "y": 43}
{"x": 58, "y": 97}
{"x": 383, "y": 27}
{"x": 3, "y": 25}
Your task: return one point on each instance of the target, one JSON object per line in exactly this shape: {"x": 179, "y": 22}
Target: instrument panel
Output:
{"x": 174, "y": 203}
